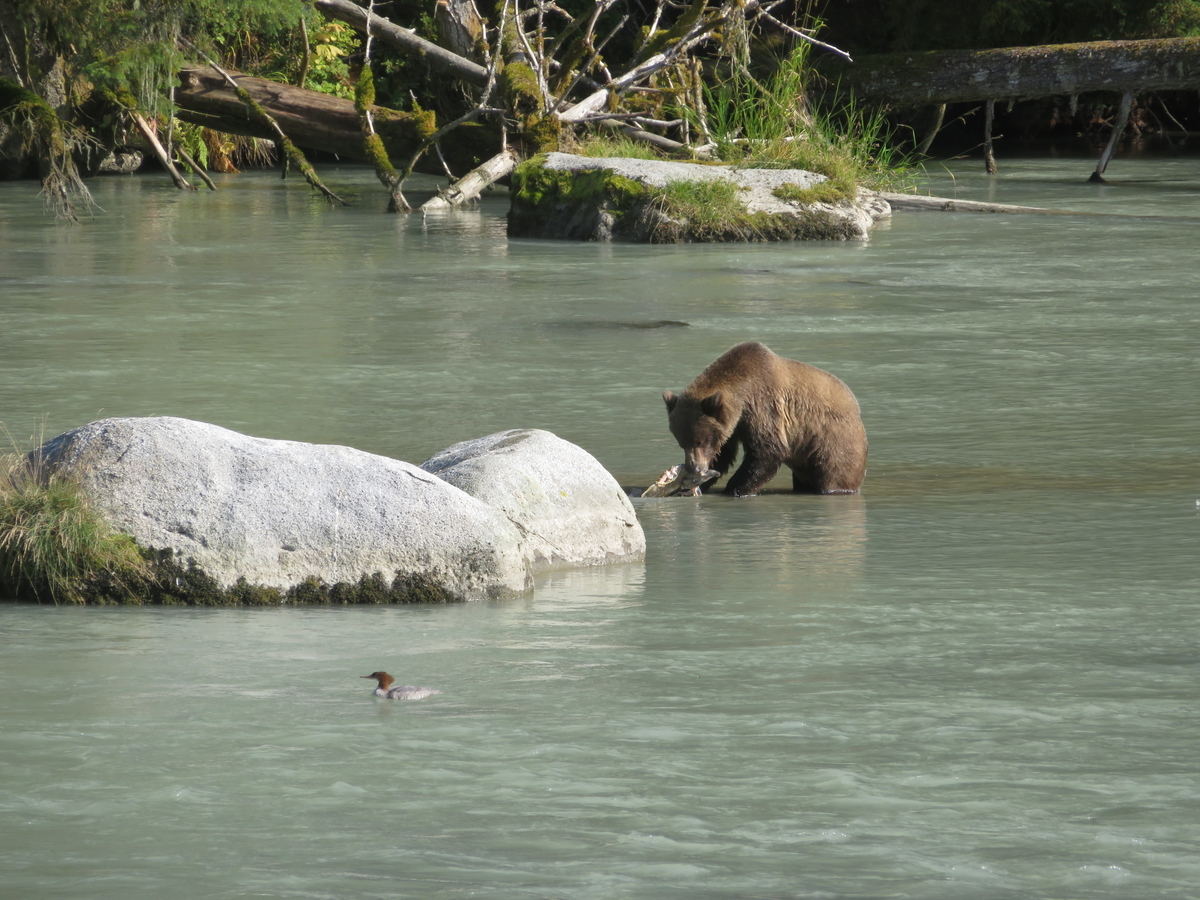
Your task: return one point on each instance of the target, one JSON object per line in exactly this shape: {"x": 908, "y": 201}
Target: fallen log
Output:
{"x": 948, "y": 204}
{"x": 1017, "y": 73}
{"x": 317, "y": 121}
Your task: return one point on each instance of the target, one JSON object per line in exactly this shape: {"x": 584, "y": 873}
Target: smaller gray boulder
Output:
{"x": 570, "y": 509}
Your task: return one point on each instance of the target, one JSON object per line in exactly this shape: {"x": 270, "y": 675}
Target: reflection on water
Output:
{"x": 976, "y": 679}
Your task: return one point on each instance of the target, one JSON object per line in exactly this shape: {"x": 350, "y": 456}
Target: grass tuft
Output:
{"x": 767, "y": 123}
{"x": 707, "y": 206}
{"x": 54, "y": 546}
{"x": 595, "y": 144}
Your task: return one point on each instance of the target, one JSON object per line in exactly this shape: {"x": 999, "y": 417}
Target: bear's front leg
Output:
{"x": 752, "y": 474}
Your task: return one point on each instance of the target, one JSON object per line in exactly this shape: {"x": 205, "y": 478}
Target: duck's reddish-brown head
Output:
{"x": 383, "y": 678}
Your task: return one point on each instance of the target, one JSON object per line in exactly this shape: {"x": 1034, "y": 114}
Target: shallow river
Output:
{"x": 977, "y": 679}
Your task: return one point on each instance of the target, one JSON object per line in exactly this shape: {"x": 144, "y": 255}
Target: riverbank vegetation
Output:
{"x": 491, "y": 83}
{"x": 54, "y": 545}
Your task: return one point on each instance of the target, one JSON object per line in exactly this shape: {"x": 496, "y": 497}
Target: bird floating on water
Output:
{"x": 400, "y": 691}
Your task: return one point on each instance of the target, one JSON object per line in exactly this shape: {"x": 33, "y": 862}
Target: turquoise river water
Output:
{"x": 979, "y": 678}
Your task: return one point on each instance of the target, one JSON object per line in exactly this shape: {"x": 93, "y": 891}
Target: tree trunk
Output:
{"x": 926, "y": 79}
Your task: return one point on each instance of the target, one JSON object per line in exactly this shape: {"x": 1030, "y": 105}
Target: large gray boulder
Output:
{"x": 277, "y": 513}
{"x": 561, "y": 195}
{"x": 570, "y": 509}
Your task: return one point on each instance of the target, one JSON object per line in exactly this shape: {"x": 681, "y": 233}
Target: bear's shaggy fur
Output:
{"x": 779, "y": 411}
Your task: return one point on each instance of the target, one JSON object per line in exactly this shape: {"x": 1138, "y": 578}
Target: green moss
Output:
{"x": 519, "y": 87}
{"x": 534, "y": 185}
{"x": 666, "y": 37}
{"x": 364, "y": 91}
{"x": 175, "y": 584}
{"x": 403, "y": 133}
{"x": 373, "y": 145}
{"x": 543, "y": 134}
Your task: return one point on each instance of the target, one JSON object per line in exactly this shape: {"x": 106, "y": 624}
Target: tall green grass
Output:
{"x": 768, "y": 123}
{"x": 54, "y": 546}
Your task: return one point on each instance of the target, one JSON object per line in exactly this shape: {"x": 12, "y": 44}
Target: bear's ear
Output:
{"x": 670, "y": 399}
{"x": 712, "y": 405}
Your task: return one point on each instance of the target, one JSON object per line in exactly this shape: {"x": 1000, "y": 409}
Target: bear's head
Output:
{"x": 701, "y": 426}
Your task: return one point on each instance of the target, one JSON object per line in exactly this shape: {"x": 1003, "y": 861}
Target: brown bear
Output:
{"x": 779, "y": 411}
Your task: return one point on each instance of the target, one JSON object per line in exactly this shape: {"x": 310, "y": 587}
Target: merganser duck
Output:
{"x": 400, "y": 692}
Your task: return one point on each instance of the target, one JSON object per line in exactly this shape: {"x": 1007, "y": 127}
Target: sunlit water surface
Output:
{"x": 977, "y": 679}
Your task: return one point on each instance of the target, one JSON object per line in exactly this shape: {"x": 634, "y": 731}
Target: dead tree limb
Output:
{"x": 439, "y": 58}
{"x": 474, "y": 182}
{"x": 364, "y": 101}
{"x": 160, "y": 152}
{"x": 196, "y": 168}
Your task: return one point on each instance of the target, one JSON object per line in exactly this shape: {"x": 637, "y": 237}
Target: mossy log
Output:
{"x": 316, "y": 121}
{"x": 1016, "y": 73}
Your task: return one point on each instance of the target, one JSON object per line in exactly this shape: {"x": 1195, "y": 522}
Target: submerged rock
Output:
{"x": 280, "y": 513}
{"x": 559, "y": 195}
{"x": 570, "y": 509}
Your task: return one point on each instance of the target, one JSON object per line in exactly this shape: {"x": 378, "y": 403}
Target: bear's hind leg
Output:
{"x": 832, "y": 466}
{"x": 806, "y": 480}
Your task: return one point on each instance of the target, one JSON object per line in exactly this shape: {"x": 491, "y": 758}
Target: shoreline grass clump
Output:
{"x": 768, "y": 123}
{"x": 55, "y": 546}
